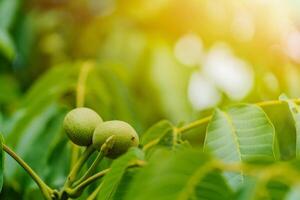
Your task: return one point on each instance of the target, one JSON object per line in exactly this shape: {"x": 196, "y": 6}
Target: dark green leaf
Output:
{"x": 173, "y": 175}
{"x": 1, "y": 161}
{"x": 8, "y": 10}
{"x": 277, "y": 190}
{"x": 156, "y": 132}
{"x": 6, "y": 45}
{"x": 295, "y": 111}
{"x": 160, "y": 134}
{"x": 114, "y": 176}
{"x": 125, "y": 183}
{"x": 213, "y": 187}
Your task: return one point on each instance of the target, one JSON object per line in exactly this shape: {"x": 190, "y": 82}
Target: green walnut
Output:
{"x": 80, "y": 123}
{"x": 124, "y": 137}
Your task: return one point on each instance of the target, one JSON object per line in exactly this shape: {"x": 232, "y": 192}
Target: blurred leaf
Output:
{"x": 156, "y": 132}
{"x": 213, "y": 187}
{"x": 98, "y": 95}
{"x": 57, "y": 160}
{"x": 52, "y": 84}
{"x": 160, "y": 135}
{"x": 8, "y": 10}
{"x": 282, "y": 121}
{"x": 294, "y": 193}
{"x": 295, "y": 111}
{"x": 122, "y": 107}
{"x": 170, "y": 80}
{"x": 1, "y": 161}
{"x": 247, "y": 190}
{"x": 277, "y": 190}
{"x": 125, "y": 183}
{"x": 25, "y": 38}
{"x": 253, "y": 189}
{"x": 6, "y": 45}
{"x": 34, "y": 143}
{"x": 9, "y": 90}
{"x": 33, "y": 193}
{"x": 48, "y": 89}
{"x": 169, "y": 176}
{"x": 114, "y": 176}
{"x": 242, "y": 134}
{"x": 196, "y": 135}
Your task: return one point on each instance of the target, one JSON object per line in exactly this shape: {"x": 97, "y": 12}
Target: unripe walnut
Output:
{"x": 80, "y": 123}
{"x": 124, "y": 137}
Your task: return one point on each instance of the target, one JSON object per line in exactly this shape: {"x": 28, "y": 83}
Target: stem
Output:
{"x": 194, "y": 124}
{"x": 205, "y": 120}
{"x": 72, "y": 176}
{"x": 88, "y": 181}
{"x": 80, "y": 95}
{"x": 45, "y": 189}
{"x": 105, "y": 148}
{"x": 75, "y": 192}
{"x": 150, "y": 144}
{"x": 80, "y": 90}
{"x": 92, "y": 168}
{"x": 74, "y": 154}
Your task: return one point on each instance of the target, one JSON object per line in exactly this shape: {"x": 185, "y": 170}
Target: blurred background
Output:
{"x": 144, "y": 61}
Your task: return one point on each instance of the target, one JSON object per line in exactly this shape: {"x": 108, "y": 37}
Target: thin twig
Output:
{"x": 91, "y": 179}
{"x": 105, "y": 148}
{"x": 205, "y": 120}
{"x": 45, "y": 189}
{"x": 91, "y": 169}
{"x": 72, "y": 175}
{"x": 74, "y": 192}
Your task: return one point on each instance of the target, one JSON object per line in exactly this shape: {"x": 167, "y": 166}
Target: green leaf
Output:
{"x": 38, "y": 133}
{"x": 242, "y": 134}
{"x": 7, "y": 47}
{"x": 159, "y": 135}
{"x": 48, "y": 89}
{"x": 255, "y": 189}
{"x": 248, "y": 190}
{"x": 1, "y": 161}
{"x": 123, "y": 106}
{"x": 8, "y": 10}
{"x": 52, "y": 84}
{"x": 196, "y": 135}
{"x": 213, "y": 186}
{"x": 33, "y": 193}
{"x": 295, "y": 110}
{"x": 125, "y": 183}
{"x": 277, "y": 190}
{"x": 170, "y": 81}
{"x": 156, "y": 132}
{"x": 173, "y": 175}
{"x": 283, "y": 123}
{"x": 118, "y": 169}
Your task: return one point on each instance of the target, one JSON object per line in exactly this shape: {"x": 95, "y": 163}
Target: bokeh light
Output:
{"x": 202, "y": 92}
{"x": 188, "y": 50}
{"x": 185, "y": 57}
{"x": 231, "y": 74}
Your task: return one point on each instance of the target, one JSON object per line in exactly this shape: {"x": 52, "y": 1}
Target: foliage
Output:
{"x": 119, "y": 59}
{"x": 239, "y": 158}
